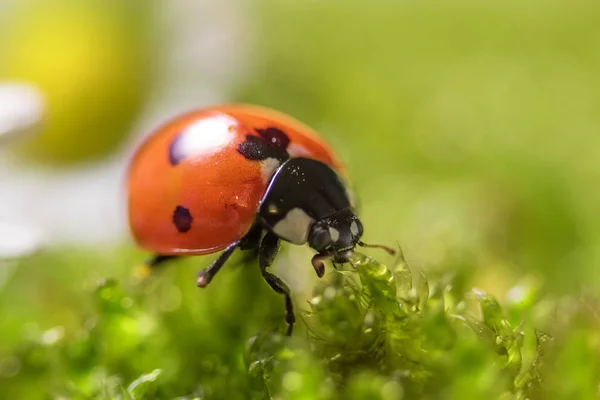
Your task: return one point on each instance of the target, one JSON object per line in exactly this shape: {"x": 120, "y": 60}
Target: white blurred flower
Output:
{"x": 18, "y": 240}
{"x": 21, "y": 111}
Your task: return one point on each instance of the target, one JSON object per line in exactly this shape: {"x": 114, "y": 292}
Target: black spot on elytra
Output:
{"x": 182, "y": 219}
{"x": 256, "y": 148}
{"x": 275, "y": 136}
{"x": 272, "y": 143}
{"x": 175, "y": 154}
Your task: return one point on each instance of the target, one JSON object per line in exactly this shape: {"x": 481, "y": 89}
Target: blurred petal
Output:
{"x": 21, "y": 109}
{"x": 18, "y": 240}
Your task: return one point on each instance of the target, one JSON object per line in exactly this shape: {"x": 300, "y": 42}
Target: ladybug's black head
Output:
{"x": 335, "y": 238}
{"x": 337, "y": 234}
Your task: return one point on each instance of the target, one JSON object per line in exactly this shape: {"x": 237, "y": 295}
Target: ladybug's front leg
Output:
{"x": 249, "y": 242}
{"x": 267, "y": 252}
{"x": 207, "y": 275}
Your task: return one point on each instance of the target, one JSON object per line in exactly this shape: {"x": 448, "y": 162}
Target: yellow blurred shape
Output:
{"x": 90, "y": 59}
{"x": 142, "y": 272}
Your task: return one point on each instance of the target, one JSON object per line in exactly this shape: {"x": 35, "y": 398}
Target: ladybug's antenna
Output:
{"x": 378, "y": 246}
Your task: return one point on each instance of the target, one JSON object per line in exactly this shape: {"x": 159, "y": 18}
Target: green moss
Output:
{"x": 367, "y": 332}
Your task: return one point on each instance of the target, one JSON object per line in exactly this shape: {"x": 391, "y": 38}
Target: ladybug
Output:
{"x": 240, "y": 177}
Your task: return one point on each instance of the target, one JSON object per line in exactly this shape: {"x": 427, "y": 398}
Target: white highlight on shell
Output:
{"x": 268, "y": 167}
{"x": 334, "y": 234}
{"x": 205, "y": 136}
{"x": 354, "y": 228}
{"x": 294, "y": 227}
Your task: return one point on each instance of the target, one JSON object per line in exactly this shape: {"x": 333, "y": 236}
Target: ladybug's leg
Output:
{"x": 250, "y": 243}
{"x": 144, "y": 270}
{"x": 318, "y": 263}
{"x": 252, "y": 239}
{"x": 267, "y": 252}
{"x": 207, "y": 275}
{"x": 158, "y": 260}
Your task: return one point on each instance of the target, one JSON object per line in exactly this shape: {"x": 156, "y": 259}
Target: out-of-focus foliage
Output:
{"x": 367, "y": 332}
{"x": 71, "y": 330}
{"x": 91, "y": 60}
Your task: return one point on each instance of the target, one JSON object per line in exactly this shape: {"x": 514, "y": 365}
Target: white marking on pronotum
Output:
{"x": 354, "y": 228}
{"x": 268, "y": 167}
{"x": 294, "y": 226}
{"x": 334, "y": 234}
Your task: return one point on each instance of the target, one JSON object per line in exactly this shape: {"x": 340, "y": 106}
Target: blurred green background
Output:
{"x": 470, "y": 130}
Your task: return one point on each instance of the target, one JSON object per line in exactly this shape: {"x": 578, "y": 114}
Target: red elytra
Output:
{"x": 194, "y": 160}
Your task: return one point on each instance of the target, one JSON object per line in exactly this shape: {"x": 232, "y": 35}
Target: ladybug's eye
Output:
{"x": 319, "y": 238}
